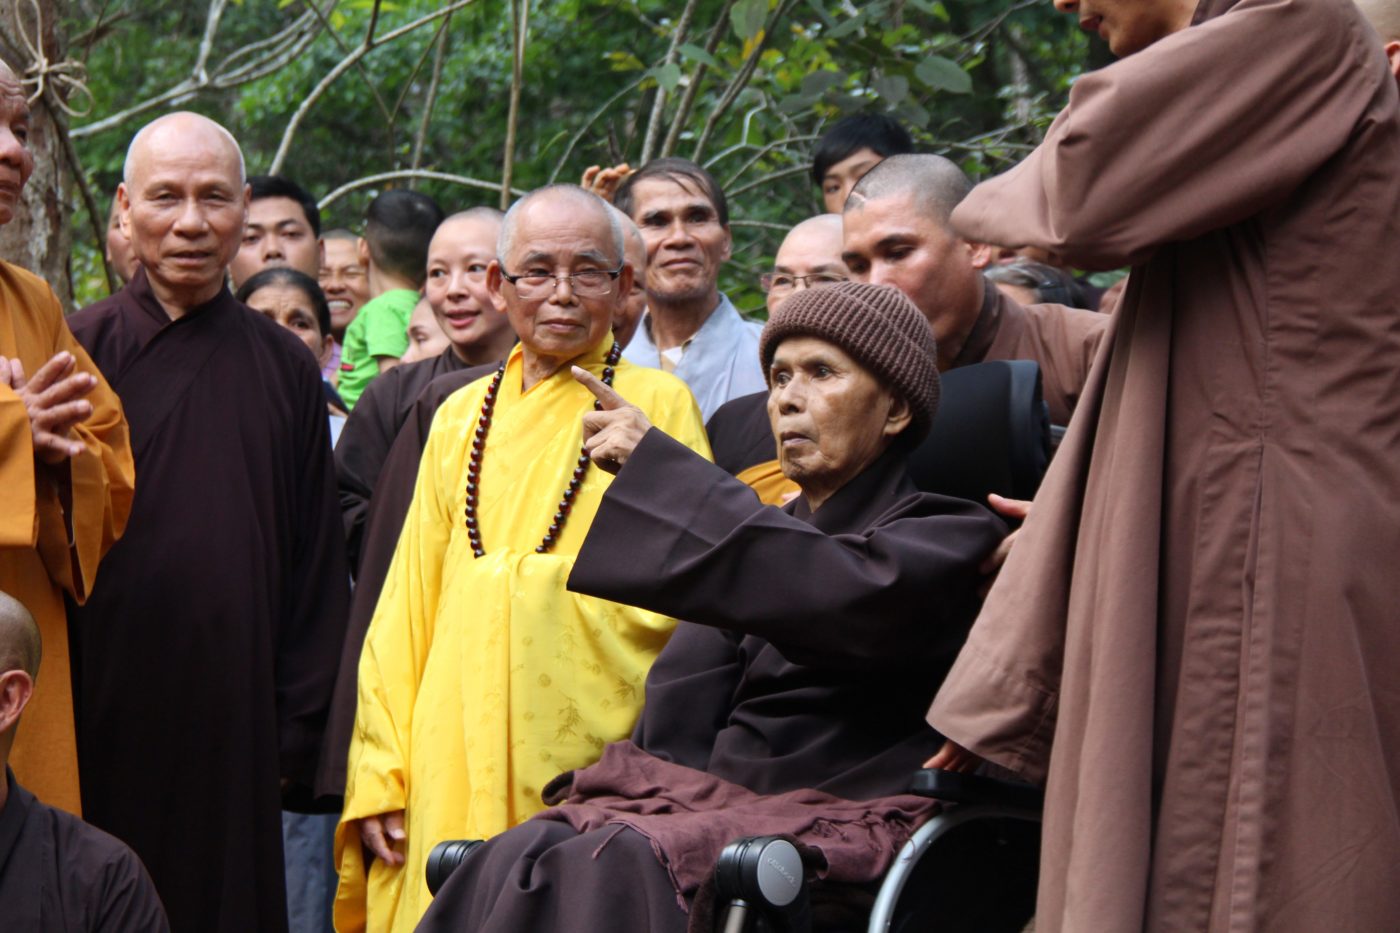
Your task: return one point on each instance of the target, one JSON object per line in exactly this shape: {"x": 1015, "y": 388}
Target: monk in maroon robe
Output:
{"x": 790, "y": 701}
{"x": 1194, "y": 641}
{"x": 205, "y": 655}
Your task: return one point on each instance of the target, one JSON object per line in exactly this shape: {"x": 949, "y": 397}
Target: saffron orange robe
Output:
{"x": 482, "y": 679}
{"x": 56, "y": 523}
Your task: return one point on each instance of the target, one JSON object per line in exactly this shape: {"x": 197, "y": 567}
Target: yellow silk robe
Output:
{"x": 483, "y": 679}
{"x": 45, "y": 547}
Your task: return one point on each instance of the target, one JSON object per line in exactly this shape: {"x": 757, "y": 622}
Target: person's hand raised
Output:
{"x": 610, "y": 435}
{"x": 604, "y": 181}
{"x": 53, "y": 396}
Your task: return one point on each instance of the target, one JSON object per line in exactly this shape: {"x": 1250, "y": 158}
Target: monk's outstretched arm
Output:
{"x": 677, "y": 535}
{"x": 1192, "y": 134}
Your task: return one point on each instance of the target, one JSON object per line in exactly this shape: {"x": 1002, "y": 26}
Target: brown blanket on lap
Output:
{"x": 690, "y": 816}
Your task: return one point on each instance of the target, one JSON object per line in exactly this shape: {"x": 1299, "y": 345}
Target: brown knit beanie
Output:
{"x": 878, "y": 326}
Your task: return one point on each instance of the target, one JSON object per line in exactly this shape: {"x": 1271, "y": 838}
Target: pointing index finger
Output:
{"x": 601, "y": 391}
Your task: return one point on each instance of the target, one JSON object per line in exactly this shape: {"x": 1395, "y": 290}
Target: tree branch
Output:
{"x": 420, "y": 138}
{"x": 521, "y": 11}
{"x": 658, "y": 104}
{"x": 740, "y": 80}
{"x": 696, "y": 79}
{"x": 344, "y": 65}
{"x": 463, "y": 180}
{"x": 573, "y": 142}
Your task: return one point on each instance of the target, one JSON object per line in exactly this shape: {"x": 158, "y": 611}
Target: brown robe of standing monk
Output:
{"x": 1195, "y": 641}
{"x": 205, "y": 657}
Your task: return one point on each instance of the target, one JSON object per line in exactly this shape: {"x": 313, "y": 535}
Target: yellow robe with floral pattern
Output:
{"x": 483, "y": 679}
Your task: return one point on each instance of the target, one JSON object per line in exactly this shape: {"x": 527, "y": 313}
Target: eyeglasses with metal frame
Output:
{"x": 784, "y": 282}
{"x": 588, "y": 283}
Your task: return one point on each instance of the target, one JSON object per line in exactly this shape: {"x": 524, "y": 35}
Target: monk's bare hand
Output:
{"x": 54, "y": 399}
{"x": 604, "y": 181}
{"x": 381, "y": 833}
{"x": 953, "y": 757}
{"x": 1009, "y": 508}
{"x": 611, "y": 434}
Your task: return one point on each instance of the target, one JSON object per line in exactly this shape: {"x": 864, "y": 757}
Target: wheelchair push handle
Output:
{"x": 956, "y": 787}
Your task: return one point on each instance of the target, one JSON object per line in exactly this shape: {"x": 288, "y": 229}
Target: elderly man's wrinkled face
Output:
{"x": 458, "y": 257}
{"x": 345, "y": 280}
{"x": 889, "y": 241}
{"x": 277, "y": 234}
{"x": 184, "y": 208}
{"x": 809, "y": 257}
{"x": 1130, "y": 26}
{"x": 686, "y": 243}
{"x": 16, "y": 161}
{"x": 830, "y": 416}
{"x": 562, "y": 258}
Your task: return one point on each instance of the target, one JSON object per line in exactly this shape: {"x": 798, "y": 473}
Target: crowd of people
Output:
{"x": 320, "y": 548}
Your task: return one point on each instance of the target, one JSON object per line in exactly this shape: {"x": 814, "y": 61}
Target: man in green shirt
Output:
{"x": 399, "y": 225}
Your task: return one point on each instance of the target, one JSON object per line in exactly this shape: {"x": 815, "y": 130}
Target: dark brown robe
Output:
{"x": 369, "y": 433}
{"x": 1064, "y": 341}
{"x": 205, "y": 655}
{"x": 395, "y": 476}
{"x": 60, "y": 875}
{"x": 1195, "y": 639}
{"x": 813, "y": 644}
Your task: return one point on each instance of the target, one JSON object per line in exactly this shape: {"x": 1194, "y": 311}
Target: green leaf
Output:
{"x": 667, "y": 75}
{"x": 849, "y": 26}
{"x": 819, "y": 82}
{"x": 892, "y": 88}
{"x": 747, "y": 17}
{"x": 943, "y": 74}
{"x": 697, "y": 54}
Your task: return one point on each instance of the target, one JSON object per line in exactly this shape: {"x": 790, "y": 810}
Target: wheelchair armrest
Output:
{"x": 955, "y": 787}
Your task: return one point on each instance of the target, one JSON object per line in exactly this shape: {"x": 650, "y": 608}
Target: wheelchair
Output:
{"x": 972, "y": 868}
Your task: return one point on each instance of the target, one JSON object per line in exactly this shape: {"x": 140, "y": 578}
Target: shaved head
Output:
{"x": 934, "y": 184}
{"x": 1384, "y": 16}
{"x": 19, "y": 638}
{"x": 823, "y": 228}
{"x": 177, "y": 126}
{"x": 586, "y": 200}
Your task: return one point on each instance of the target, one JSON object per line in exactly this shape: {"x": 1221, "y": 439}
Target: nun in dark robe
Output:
{"x": 791, "y": 699}
{"x": 205, "y": 655}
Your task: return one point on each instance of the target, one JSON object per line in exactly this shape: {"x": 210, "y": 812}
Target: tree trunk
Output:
{"x": 39, "y": 237}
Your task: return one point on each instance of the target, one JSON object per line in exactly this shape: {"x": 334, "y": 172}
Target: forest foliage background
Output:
{"x": 459, "y": 97}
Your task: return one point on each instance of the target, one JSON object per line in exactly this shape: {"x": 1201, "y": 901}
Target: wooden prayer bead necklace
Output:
{"x": 483, "y": 426}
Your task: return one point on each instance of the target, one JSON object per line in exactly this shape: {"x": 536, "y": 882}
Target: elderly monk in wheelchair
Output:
{"x": 790, "y": 701}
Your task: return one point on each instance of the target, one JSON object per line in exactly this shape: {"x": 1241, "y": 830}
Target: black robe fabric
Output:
{"x": 812, "y": 645}
{"x": 369, "y": 434}
{"x": 205, "y": 655}
{"x": 60, "y": 875}
{"x": 383, "y": 515}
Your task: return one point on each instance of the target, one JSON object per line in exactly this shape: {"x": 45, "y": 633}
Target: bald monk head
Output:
{"x": 460, "y": 252}
{"x": 634, "y": 250}
{"x": 896, "y": 231}
{"x": 19, "y": 665}
{"x": 560, "y": 277}
{"x": 1384, "y": 16}
{"x": 184, "y": 203}
{"x": 16, "y": 162}
{"x": 809, "y": 257}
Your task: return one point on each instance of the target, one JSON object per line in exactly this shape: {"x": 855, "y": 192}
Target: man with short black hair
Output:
{"x": 852, "y": 147}
{"x": 690, "y": 328}
{"x": 399, "y": 225}
{"x": 283, "y": 229}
